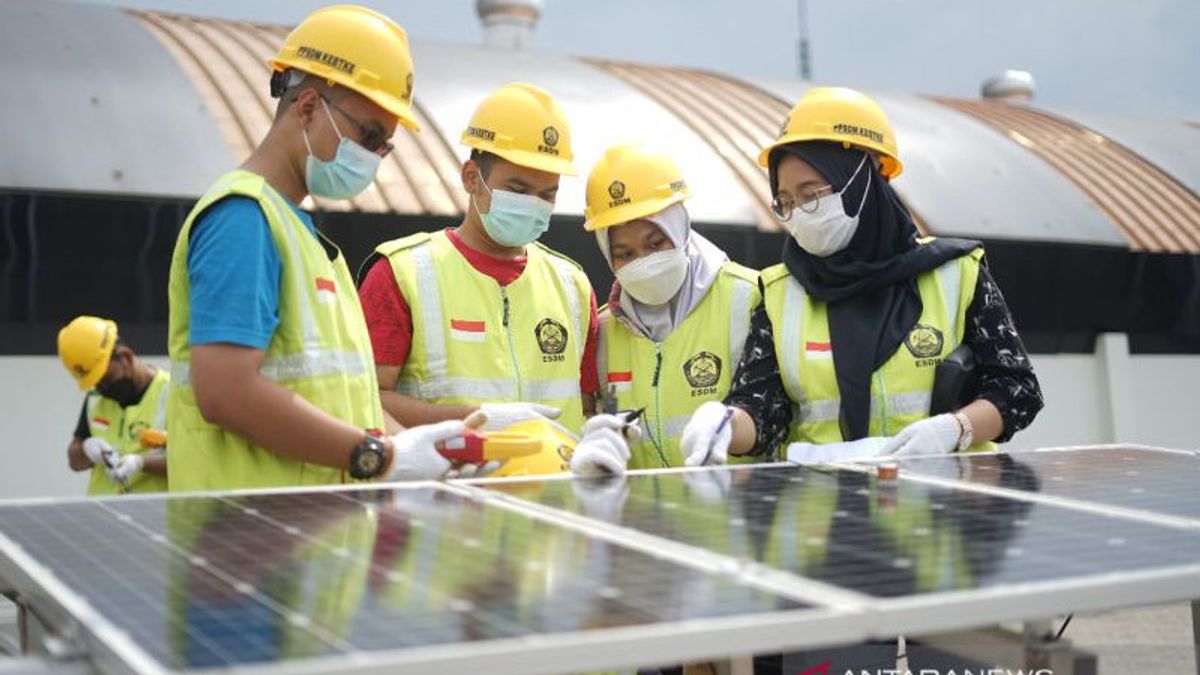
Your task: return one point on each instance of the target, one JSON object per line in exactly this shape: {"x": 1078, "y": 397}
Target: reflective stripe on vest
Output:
{"x": 567, "y": 278}
{"x": 317, "y": 363}
{"x": 906, "y": 403}
{"x": 488, "y": 389}
{"x": 739, "y": 319}
{"x": 311, "y": 337}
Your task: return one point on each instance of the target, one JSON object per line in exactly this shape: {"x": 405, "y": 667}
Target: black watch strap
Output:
{"x": 368, "y": 459}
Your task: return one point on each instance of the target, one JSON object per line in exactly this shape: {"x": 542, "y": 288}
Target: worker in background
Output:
{"x": 677, "y": 315}
{"x": 482, "y": 316}
{"x": 857, "y": 318}
{"x": 271, "y": 359}
{"x": 121, "y": 430}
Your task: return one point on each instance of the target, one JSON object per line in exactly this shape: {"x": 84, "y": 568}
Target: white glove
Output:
{"x": 474, "y": 470}
{"x": 603, "y": 449}
{"x": 937, "y": 435}
{"x": 126, "y": 467}
{"x": 501, "y": 416}
{"x": 701, "y": 434}
{"x": 413, "y": 455}
{"x": 849, "y": 451}
{"x": 95, "y": 448}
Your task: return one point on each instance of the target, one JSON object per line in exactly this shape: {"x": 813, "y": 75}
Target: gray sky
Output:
{"x": 1137, "y": 57}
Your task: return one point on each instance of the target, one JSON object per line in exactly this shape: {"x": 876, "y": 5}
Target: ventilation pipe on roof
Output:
{"x": 1011, "y": 85}
{"x": 508, "y": 24}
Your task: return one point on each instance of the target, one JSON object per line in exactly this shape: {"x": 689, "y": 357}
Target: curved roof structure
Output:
{"x": 149, "y": 103}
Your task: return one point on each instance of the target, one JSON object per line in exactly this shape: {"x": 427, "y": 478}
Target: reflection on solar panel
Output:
{"x": 1165, "y": 482}
{"x": 553, "y": 575}
{"x": 903, "y": 539}
{"x": 209, "y": 582}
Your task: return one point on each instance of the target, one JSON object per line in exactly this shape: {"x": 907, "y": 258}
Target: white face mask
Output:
{"x": 654, "y": 279}
{"x": 828, "y": 229}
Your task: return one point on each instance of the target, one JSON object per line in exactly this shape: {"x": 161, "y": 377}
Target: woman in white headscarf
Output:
{"x": 676, "y": 320}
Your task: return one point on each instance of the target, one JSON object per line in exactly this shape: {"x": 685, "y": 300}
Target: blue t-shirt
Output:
{"x": 233, "y": 274}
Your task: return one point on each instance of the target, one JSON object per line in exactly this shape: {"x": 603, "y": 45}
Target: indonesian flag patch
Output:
{"x": 326, "y": 291}
{"x": 818, "y": 350}
{"x": 621, "y": 381}
{"x": 467, "y": 331}
{"x": 100, "y": 423}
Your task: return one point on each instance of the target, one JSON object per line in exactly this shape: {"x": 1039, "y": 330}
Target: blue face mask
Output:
{"x": 513, "y": 219}
{"x": 349, "y": 173}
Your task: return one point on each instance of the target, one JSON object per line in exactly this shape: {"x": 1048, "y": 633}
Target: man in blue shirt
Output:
{"x": 259, "y": 406}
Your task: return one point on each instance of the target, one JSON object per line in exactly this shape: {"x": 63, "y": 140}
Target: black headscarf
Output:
{"x": 871, "y": 285}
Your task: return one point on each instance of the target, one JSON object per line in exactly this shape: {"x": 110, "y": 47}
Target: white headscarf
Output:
{"x": 656, "y": 322}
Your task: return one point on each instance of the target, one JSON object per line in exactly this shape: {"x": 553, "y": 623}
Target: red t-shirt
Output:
{"x": 389, "y": 319}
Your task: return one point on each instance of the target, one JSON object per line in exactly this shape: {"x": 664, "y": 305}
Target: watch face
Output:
{"x": 369, "y": 462}
{"x": 367, "y": 459}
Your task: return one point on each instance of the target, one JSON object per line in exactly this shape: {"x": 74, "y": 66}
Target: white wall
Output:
{"x": 1076, "y": 401}
{"x": 1158, "y": 401}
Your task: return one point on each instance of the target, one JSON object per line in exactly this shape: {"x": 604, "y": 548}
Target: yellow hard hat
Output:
{"x": 85, "y": 346}
{"x": 555, "y": 456}
{"x": 629, "y": 182}
{"x": 844, "y": 116}
{"x": 357, "y": 48}
{"x": 524, "y": 125}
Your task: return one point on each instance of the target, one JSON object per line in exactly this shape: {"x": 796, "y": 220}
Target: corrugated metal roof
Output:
{"x": 1172, "y": 146}
{"x": 733, "y": 117}
{"x": 159, "y": 104}
{"x": 1155, "y": 211}
{"x": 226, "y": 62}
{"x": 602, "y": 110}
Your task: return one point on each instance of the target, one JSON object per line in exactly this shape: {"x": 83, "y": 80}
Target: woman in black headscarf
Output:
{"x": 862, "y": 310}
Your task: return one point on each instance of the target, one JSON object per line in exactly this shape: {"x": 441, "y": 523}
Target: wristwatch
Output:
{"x": 967, "y": 437}
{"x": 369, "y": 458}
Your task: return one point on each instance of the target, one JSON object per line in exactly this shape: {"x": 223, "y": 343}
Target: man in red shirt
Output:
{"x": 482, "y": 316}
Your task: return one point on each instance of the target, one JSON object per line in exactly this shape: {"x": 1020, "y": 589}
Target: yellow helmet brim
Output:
{"x": 889, "y": 166}
{"x": 631, "y": 212}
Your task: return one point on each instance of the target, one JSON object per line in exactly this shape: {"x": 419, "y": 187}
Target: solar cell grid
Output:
{"x": 218, "y": 581}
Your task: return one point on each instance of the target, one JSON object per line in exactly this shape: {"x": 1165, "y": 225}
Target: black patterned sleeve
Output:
{"x": 758, "y": 389}
{"x": 1006, "y": 376}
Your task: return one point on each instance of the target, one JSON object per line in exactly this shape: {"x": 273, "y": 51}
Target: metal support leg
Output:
{"x": 1196, "y": 631}
{"x": 22, "y": 626}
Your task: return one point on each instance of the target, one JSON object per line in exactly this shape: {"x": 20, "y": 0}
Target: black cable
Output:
{"x": 1063, "y": 628}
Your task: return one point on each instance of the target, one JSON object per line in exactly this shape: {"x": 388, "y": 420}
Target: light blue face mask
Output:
{"x": 349, "y": 173}
{"x": 514, "y": 219}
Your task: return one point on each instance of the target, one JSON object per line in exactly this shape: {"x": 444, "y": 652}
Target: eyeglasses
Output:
{"x": 370, "y": 138}
{"x": 810, "y": 200}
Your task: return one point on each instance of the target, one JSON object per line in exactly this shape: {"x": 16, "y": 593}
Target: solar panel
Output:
{"x": 1156, "y": 481}
{"x": 558, "y": 574}
{"x": 906, "y": 543}
{"x": 342, "y": 577}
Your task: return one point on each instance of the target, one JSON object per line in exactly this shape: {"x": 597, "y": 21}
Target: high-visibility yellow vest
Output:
{"x": 320, "y": 350}
{"x": 693, "y": 365}
{"x": 475, "y": 341}
{"x": 121, "y": 427}
{"x": 901, "y": 388}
